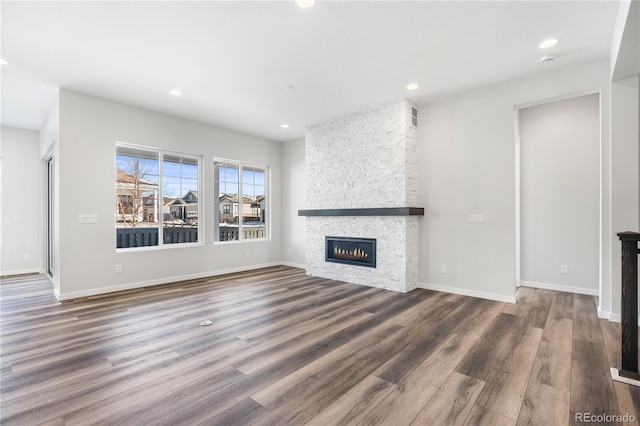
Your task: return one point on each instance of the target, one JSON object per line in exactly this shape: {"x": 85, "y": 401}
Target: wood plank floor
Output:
{"x": 288, "y": 349}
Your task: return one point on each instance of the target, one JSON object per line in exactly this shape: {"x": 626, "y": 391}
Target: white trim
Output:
{"x": 164, "y": 246}
{"x": 518, "y": 195}
{"x": 36, "y": 270}
{"x": 248, "y": 240}
{"x": 167, "y": 280}
{"x": 618, "y": 378}
{"x": 615, "y": 318}
{"x": 238, "y": 162}
{"x": 604, "y": 314}
{"x": 558, "y": 287}
{"x": 558, "y": 98}
{"x": 467, "y": 292}
{"x": 611, "y": 317}
{"x": 294, "y": 264}
{"x": 157, "y": 149}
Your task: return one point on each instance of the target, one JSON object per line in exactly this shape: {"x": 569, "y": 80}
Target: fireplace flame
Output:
{"x": 353, "y": 254}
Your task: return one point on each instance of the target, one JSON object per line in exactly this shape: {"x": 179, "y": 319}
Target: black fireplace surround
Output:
{"x": 351, "y": 251}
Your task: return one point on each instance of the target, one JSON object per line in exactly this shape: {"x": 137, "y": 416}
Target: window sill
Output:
{"x": 162, "y": 247}
{"x": 252, "y": 240}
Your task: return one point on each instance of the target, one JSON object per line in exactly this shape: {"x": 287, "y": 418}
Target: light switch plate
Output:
{"x": 475, "y": 218}
{"x": 88, "y": 218}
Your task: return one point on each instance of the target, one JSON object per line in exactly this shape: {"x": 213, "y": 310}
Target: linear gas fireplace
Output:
{"x": 351, "y": 251}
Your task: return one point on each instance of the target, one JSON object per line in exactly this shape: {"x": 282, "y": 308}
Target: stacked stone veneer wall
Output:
{"x": 365, "y": 160}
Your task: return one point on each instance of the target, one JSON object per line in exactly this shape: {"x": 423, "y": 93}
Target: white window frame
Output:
{"x": 201, "y": 199}
{"x": 216, "y": 203}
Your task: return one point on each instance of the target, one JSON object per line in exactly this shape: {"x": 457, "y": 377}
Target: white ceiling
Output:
{"x": 232, "y": 59}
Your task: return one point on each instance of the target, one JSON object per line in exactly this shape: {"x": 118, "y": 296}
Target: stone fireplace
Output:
{"x": 361, "y": 181}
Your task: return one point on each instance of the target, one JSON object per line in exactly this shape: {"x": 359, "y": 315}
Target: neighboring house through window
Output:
{"x": 241, "y": 188}
{"x": 156, "y": 197}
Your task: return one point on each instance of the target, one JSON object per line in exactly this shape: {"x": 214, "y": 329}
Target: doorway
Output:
{"x": 558, "y": 176}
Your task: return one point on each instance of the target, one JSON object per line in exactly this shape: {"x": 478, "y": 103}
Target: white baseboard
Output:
{"x": 615, "y": 318}
{"x": 604, "y": 314}
{"x": 558, "y": 287}
{"x": 159, "y": 281}
{"x": 611, "y": 317}
{"x": 294, "y": 265}
{"x": 615, "y": 375}
{"x": 468, "y": 292}
{"x": 22, "y": 271}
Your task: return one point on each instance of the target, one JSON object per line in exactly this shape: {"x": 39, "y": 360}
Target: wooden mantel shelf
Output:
{"x": 378, "y": 211}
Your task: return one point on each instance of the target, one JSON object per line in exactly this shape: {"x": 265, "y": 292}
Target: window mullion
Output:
{"x": 160, "y": 186}
{"x": 240, "y": 204}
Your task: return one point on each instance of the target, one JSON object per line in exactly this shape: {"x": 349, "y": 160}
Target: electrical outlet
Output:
{"x": 246, "y": 253}
{"x": 289, "y": 250}
{"x": 564, "y": 269}
{"x": 118, "y": 269}
{"x": 443, "y": 269}
{"x": 26, "y": 256}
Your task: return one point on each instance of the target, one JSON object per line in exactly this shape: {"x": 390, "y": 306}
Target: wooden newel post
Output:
{"x": 629, "y": 304}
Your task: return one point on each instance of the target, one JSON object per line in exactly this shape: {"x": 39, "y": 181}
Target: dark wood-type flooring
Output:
{"x": 288, "y": 349}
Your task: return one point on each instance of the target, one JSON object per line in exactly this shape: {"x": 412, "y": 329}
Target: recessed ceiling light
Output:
{"x": 546, "y": 59}
{"x": 4, "y": 61}
{"x": 305, "y": 3}
{"x": 412, "y": 86}
{"x": 289, "y": 88}
{"x": 550, "y": 42}
{"x": 284, "y": 126}
{"x": 175, "y": 92}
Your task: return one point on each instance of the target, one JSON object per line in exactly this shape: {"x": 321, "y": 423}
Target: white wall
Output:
{"x": 21, "y": 215}
{"x": 625, "y": 201}
{"x": 466, "y": 153}
{"x": 625, "y": 46}
{"x": 89, "y": 129}
{"x": 50, "y": 130}
{"x": 293, "y": 199}
{"x": 560, "y": 194}
{"x": 623, "y": 156}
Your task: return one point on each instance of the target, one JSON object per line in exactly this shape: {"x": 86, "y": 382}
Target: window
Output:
{"x": 242, "y": 188}
{"x": 156, "y": 197}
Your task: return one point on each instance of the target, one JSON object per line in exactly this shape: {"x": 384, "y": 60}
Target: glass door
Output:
{"x": 50, "y": 216}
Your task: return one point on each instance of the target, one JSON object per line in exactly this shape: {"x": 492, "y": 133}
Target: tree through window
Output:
{"x": 156, "y": 197}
